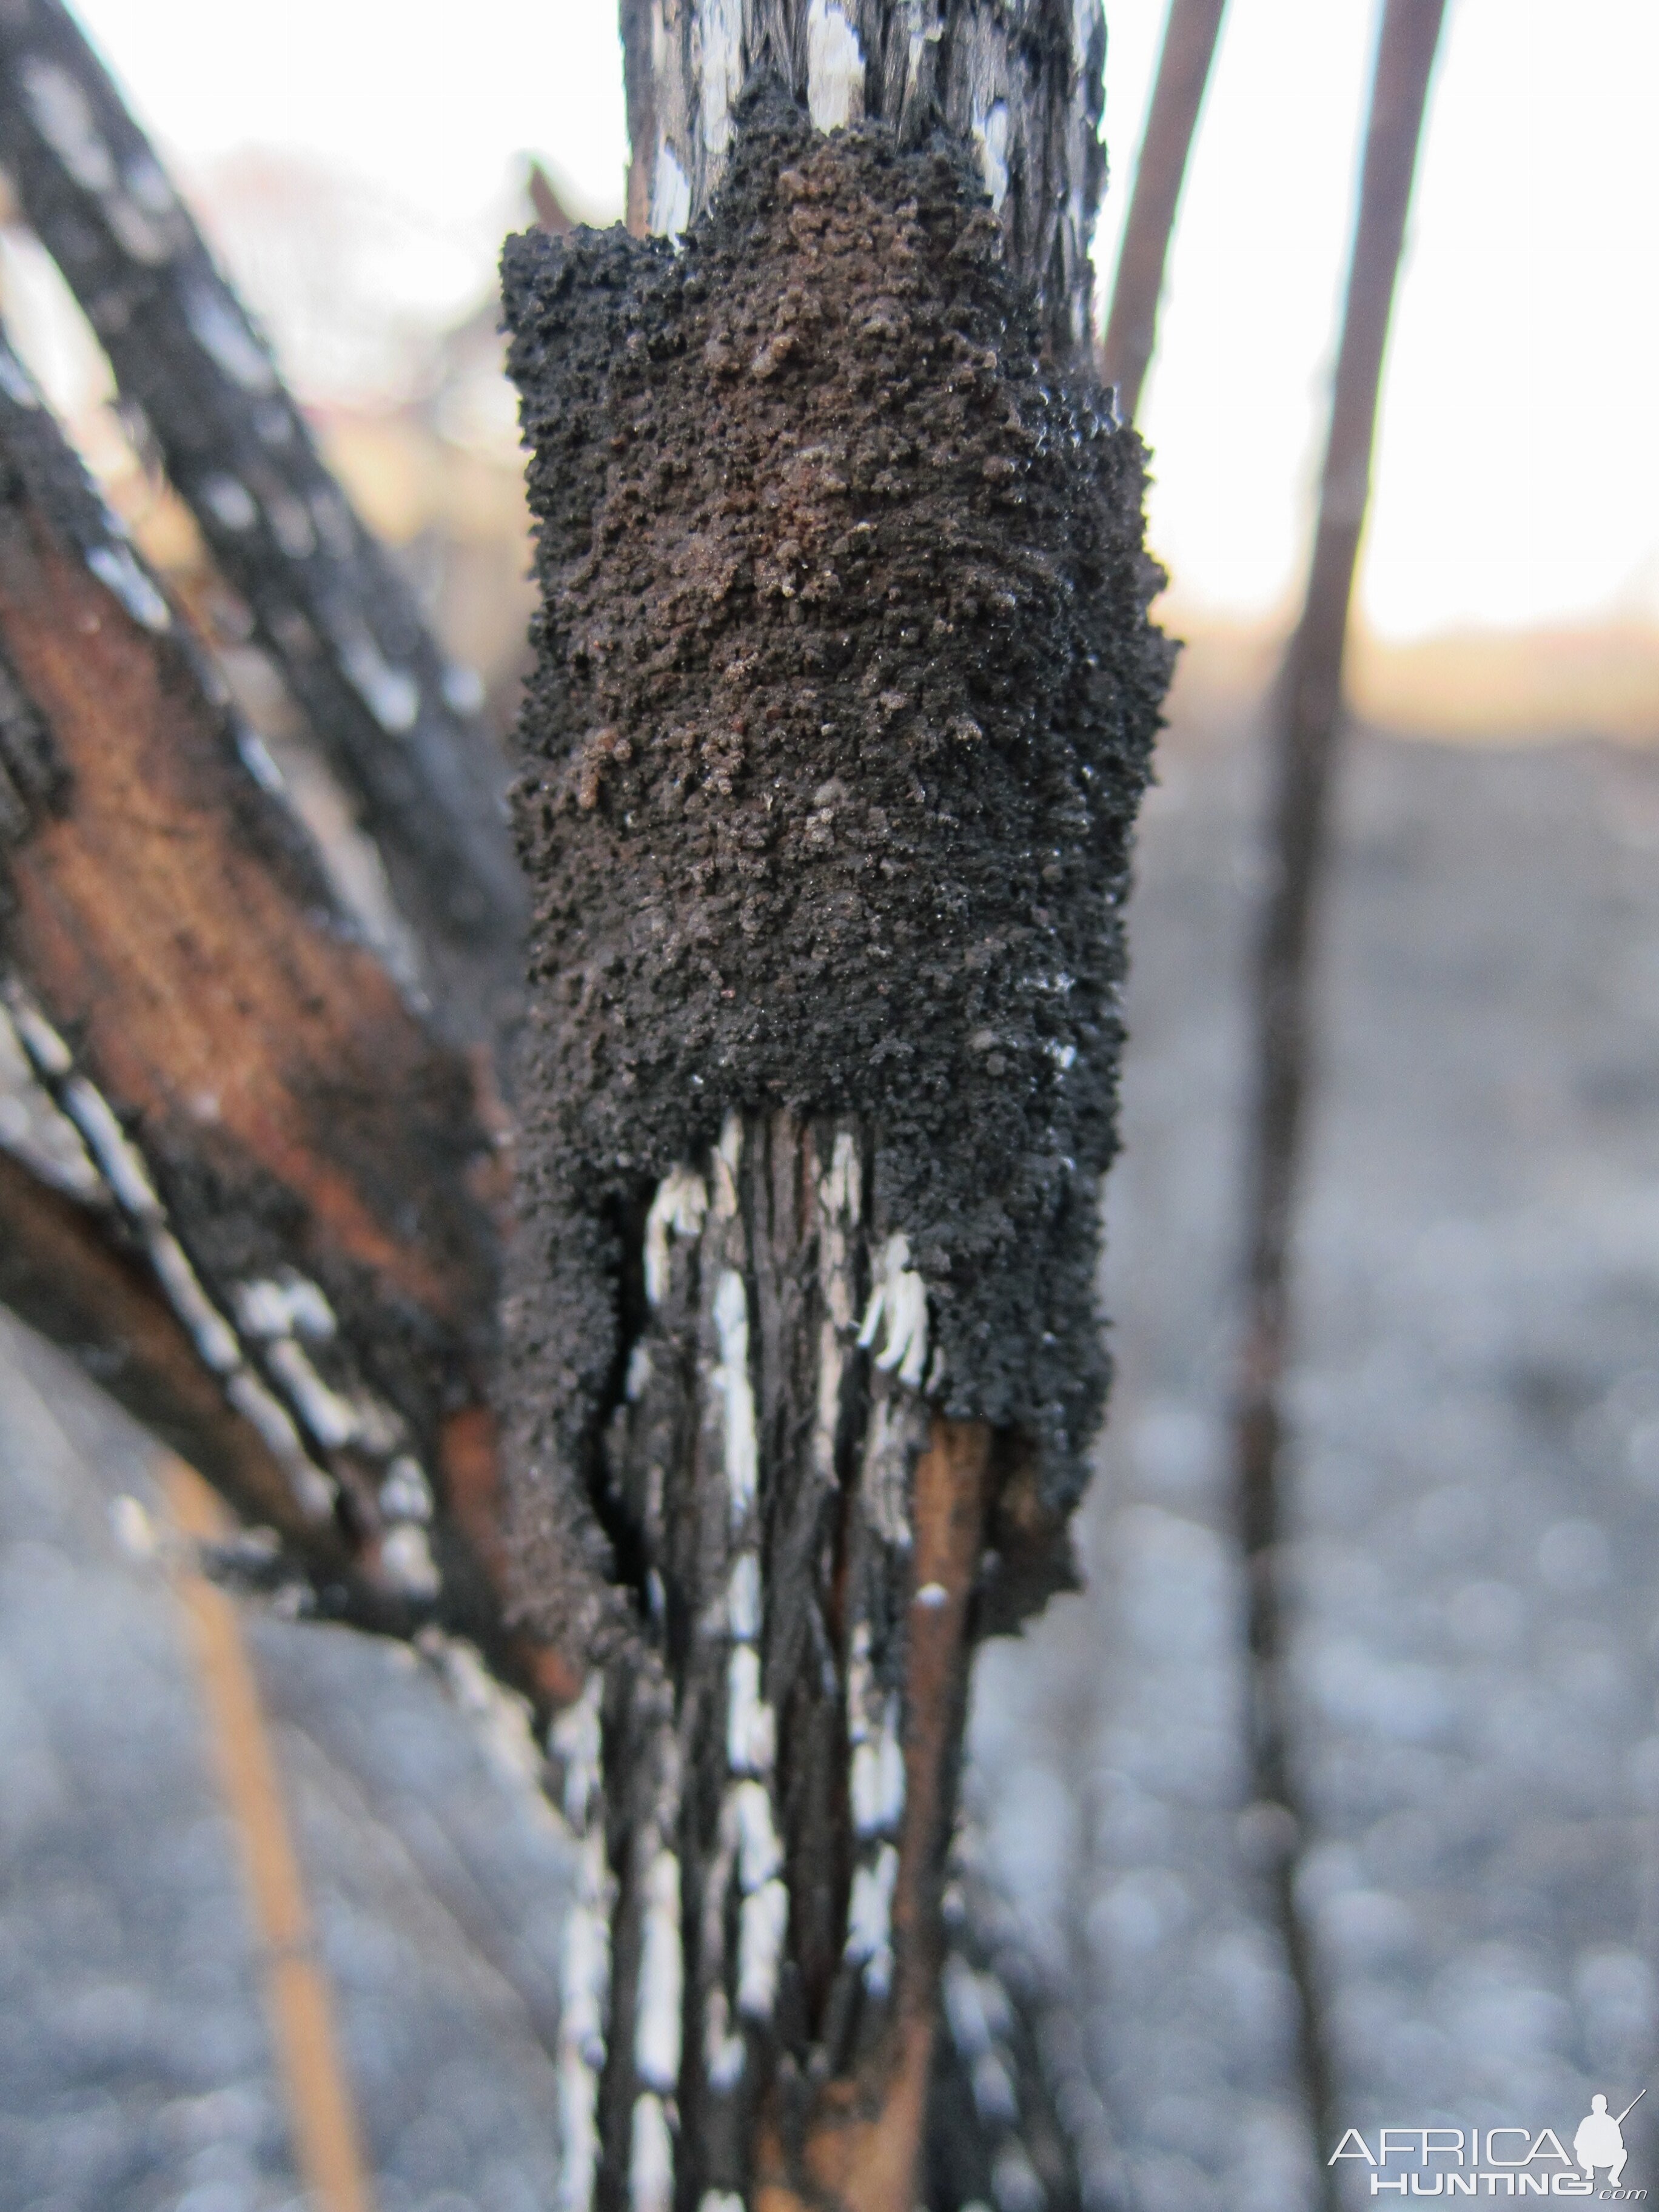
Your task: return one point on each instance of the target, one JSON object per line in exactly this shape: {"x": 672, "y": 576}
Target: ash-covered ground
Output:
{"x": 1477, "y": 1408}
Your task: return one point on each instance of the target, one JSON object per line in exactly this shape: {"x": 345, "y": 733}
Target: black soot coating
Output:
{"x": 844, "y": 700}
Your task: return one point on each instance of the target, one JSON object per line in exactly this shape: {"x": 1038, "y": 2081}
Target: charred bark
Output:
{"x": 1017, "y": 88}
{"x": 341, "y": 627}
{"x": 844, "y": 702}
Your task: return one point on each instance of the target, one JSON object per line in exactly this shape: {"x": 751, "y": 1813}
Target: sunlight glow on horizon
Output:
{"x": 1517, "y": 478}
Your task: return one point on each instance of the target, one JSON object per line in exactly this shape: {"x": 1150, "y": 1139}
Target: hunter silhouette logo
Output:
{"x": 1600, "y": 2140}
{"x": 1510, "y": 2161}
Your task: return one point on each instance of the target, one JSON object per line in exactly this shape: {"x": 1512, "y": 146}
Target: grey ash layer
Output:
{"x": 844, "y": 704}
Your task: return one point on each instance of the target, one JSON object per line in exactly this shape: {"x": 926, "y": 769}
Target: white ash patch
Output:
{"x": 662, "y": 1977}
{"x": 215, "y": 1339}
{"x": 744, "y": 1608}
{"x": 329, "y": 1416}
{"x": 35, "y": 1127}
{"x": 835, "y": 68}
{"x": 725, "y": 2053}
{"x": 677, "y": 1209}
{"x": 650, "y": 2157}
{"x": 230, "y": 502}
{"x": 406, "y": 1561}
{"x": 728, "y": 1158}
{"x": 392, "y": 695}
{"x": 759, "y": 1852}
{"x": 574, "y": 1740}
{"x": 224, "y": 337}
{"x": 126, "y": 1176}
{"x": 732, "y": 1387}
{"x": 720, "y": 53}
{"x": 898, "y": 1312}
{"x": 990, "y": 142}
{"x": 117, "y": 570}
{"x": 751, "y": 1724}
{"x": 406, "y": 1494}
{"x": 897, "y": 1434}
{"x": 869, "y": 1920}
{"x": 63, "y": 115}
{"x": 762, "y": 1924}
{"x": 671, "y": 194}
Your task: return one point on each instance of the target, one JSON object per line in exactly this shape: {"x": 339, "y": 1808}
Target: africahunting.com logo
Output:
{"x": 1499, "y": 2161}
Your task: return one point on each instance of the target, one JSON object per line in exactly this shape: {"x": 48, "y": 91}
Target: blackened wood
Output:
{"x": 66, "y": 1271}
{"x": 398, "y": 722}
{"x": 1309, "y": 708}
{"x": 1190, "y": 30}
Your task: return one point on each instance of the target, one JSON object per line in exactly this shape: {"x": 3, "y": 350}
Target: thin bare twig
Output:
{"x": 1191, "y": 31}
{"x": 1309, "y": 709}
{"x": 321, "y": 2115}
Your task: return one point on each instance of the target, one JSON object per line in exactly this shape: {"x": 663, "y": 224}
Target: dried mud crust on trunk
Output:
{"x": 844, "y": 700}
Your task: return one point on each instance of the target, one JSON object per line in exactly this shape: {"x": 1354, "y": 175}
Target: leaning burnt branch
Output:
{"x": 398, "y": 720}
{"x": 1308, "y": 710}
{"x": 272, "y": 1235}
{"x": 1191, "y": 31}
{"x": 67, "y": 1271}
{"x": 844, "y": 705}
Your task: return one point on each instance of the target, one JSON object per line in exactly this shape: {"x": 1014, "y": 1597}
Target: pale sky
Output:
{"x": 1518, "y": 466}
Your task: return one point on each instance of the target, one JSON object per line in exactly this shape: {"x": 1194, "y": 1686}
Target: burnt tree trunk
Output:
{"x": 844, "y": 702}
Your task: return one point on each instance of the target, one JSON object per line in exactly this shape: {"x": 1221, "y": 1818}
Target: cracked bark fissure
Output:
{"x": 396, "y": 721}
{"x": 844, "y": 707}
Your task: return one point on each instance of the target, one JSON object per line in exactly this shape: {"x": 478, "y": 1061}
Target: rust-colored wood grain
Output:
{"x": 863, "y": 2147}
{"x": 165, "y": 917}
{"x": 251, "y": 1040}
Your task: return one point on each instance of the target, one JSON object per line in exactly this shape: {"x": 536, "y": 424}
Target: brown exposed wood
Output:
{"x": 1190, "y": 30}
{"x": 333, "y": 614}
{"x": 290, "y": 1122}
{"x": 950, "y": 1520}
{"x": 550, "y": 211}
{"x": 241, "y": 1032}
{"x": 1310, "y": 710}
{"x": 864, "y": 2147}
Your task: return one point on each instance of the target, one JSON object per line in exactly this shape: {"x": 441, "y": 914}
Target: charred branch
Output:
{"x": 1309, "y": 708}
{"x": 276, "y": 1246}
{"x": 340, "y": 626}
{"x": 1191, "y": 31}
